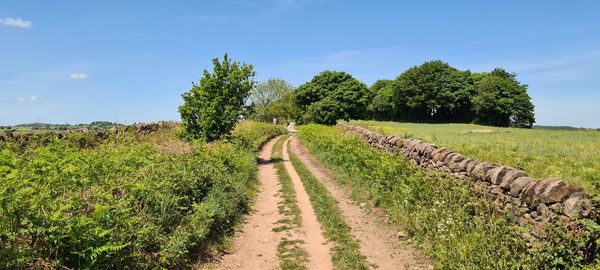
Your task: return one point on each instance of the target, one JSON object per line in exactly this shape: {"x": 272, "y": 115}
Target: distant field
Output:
{"x": 573, "y": 155}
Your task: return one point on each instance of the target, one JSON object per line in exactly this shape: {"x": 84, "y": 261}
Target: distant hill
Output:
{"x": 46, "y": 126}
{"x": 563, "y": 128}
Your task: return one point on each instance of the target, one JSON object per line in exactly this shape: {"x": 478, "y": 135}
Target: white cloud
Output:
{"x": 79, "y": 76}
{"x": 16, "y": 22}
{"x": 29, "y": 98}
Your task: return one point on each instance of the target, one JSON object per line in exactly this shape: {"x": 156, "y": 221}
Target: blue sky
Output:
{"x": 129, "y": 61}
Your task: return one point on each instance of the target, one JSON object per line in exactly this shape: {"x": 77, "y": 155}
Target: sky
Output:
{"x": 130, "y": 61}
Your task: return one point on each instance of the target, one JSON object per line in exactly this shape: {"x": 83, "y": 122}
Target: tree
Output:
{"x": 326, "y": 111}
{"x": 214, "y": 105}
{"x": 434, "y": 91}
{"x": 284, "y": 109}
{"x": 265, "y": 94}
{"x": 352, "y": 96}
{"x": 502, "y": 100}
{"x": 379, "y": 85}
{"x": 383, "y": 106}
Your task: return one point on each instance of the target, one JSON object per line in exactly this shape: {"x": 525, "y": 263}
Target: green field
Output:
{"x": 572, "y": 155}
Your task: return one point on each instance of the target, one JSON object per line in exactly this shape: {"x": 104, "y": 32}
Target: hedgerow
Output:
{"x": 131, "y": 201}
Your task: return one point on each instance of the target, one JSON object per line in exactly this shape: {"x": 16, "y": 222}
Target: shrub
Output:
{"x": 212, "y": 108}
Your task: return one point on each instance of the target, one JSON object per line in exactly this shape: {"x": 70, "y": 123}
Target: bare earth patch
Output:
{"x": 255, "y": 247}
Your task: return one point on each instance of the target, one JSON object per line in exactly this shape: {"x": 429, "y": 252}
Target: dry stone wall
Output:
{"x": 531, "y": 201}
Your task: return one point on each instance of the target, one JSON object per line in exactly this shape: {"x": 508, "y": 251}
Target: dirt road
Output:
{"x": 255, "y": 247}
{"x": 318, "y": 250}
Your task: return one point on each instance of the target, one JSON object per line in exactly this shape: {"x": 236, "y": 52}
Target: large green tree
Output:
{"x": 214, "y": 105}
{"x": 434, "y": 91}
{"x": 266, "y": 94}
{"x": 382, "y": 106}
{"x": 502, "y": 100}
{"x": 351, "y": 97}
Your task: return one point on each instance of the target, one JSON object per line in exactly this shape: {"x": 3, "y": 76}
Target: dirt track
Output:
{"x": 255, "y": 247}
{"x": 379, "y": 242}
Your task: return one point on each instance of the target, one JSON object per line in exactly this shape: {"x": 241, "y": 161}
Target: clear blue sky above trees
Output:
{"x": 74, "y": 61}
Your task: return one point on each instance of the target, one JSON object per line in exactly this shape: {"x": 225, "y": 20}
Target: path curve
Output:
{"x": 255, "y": 247}
{"x": 379, "y": 242}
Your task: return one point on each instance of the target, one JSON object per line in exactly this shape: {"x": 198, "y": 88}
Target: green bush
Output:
{"x": 142, "y": 201}
{"x": 251, "y": 135}
{"x": 212, "y": 107}
{"x": 448, "y": 220}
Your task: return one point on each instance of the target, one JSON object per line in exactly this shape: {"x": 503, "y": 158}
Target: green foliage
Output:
{"x": 383, "y": 106}
{"x": 139, "y": 201}
{"x": 251, "y": 135}
{"x": 340, "y": 94}
{"x": 434, "y": 91}
{"x": 378, "y": 85}
{"x": 285, "y": 109}
{"x": 437, "y": 92}
{"x": 272, "y": 99}
{"x": 326, "y": 111}
{"x": 449, "y": 220}
{"x": 502, "y": 101}
{"x": 212, "y": 108}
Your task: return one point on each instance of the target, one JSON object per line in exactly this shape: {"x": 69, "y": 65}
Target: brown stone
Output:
{"x": 440, "y": 154}
{"x": 518, "y": 185}
{"x": 575, "y": 204}
{"x": 491, "y": 171}
{"x": 449, "y": 157}
{"x": 479, "y": 170}
{"x": 559, "y": 191}
{"x": 498, "y": 175}
{"x": 528, "y": 192}
{"x": 471, "y": 167}
{"x": 510, "y": 176}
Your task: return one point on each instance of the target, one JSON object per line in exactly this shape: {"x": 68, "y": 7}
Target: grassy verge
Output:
{"x": 345, "y": 252}
{"x": 290, "y": 251}
{"x": 448, "y": 220}
{"x": 572, "y": 155}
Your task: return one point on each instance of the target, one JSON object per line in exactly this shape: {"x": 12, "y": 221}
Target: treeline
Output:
{"x": 431, "y": 92}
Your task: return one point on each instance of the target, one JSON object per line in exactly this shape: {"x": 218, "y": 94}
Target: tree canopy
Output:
{"x": 502, "y": 101}
{"x": 268, "y": 98}
{"x": 437, "y": 92}
{"x": 214, "y": 105}
{"x": 434, "y": 91}
{"x": 338, "y": 93}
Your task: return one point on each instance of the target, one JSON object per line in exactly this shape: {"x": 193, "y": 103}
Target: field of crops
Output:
{"x": 448, "y": 220}
{"x": 572, "y": 155}
{"x": 130, "y": 200}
